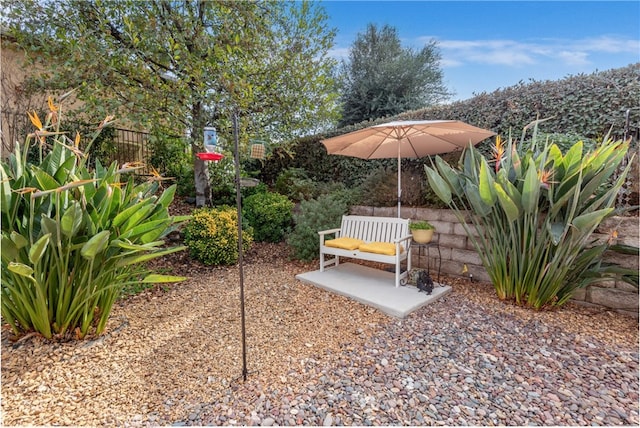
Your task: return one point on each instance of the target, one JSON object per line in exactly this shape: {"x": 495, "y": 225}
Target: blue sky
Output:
{"x": 487, "y": 45}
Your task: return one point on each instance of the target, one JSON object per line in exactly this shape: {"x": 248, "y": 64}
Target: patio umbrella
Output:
{"x": 406, "y": 139}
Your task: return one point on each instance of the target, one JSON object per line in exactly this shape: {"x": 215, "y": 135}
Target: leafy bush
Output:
{"x": 248, "y": 191}
{"x": 212, "y": 236}
{"x": 185, "y": 180}
{"x": 269, "y": 214}
{"x": 340, "y": 193}
{"x": 567, "y": 140}
{"x": 296, "y": 185}
{"x": 222, "y": 178}
{"x": 380, "y": 187}
{"x": 72, "y": 237}
{"x": 171, "y": 159}
{"x": 533, "y": 213}
{"x": 315, "y": 215}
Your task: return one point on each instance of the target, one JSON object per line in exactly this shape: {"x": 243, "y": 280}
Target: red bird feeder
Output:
{"x": 210, "y": 156}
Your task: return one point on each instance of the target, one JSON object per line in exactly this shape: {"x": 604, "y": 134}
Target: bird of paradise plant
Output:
{"x": 533, "y": 213}
{"x": 72, "y": 237}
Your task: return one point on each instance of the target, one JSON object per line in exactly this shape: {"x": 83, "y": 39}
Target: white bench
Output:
{"x": 388, "y": 230}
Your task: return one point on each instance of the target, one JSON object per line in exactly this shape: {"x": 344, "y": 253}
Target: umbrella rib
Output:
{"x": 386, "y": 136}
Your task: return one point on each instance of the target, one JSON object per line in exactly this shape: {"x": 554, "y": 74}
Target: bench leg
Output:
{"x": 328, "y": 263}
{"x": 403, "y": 277}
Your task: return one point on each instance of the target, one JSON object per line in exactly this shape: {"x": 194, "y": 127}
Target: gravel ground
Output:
{"x": 173, "y": 357}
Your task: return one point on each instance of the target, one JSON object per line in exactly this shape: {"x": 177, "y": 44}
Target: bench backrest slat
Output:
{"x": 370, "y": 229}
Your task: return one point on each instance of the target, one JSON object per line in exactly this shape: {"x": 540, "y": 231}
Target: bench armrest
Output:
{"x": 326, "y": 232}
{"x": 404, "y": 238}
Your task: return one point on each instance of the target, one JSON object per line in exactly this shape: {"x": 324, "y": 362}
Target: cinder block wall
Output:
{"x": 456, "y": 252}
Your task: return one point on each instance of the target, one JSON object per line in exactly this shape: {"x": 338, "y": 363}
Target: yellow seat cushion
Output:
{"x": 385, "y": 248}
{"x": 344, "y": 243}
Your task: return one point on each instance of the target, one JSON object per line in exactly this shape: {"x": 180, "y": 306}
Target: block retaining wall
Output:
{"x": 457, "y": 251}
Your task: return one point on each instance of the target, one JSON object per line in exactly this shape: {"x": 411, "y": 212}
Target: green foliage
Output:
{"x": 212, "y": 236}
{"x": 315, "y": 215}
{"x": 101, "y": 147}
{"x": 222, "y": 180}
{"x": 380, "y": 187}
{"x": 533, "y": 213}
{"x": 296, "y": 185}
{"x": 197, "y": 55}
{"x": 590, "y": 267}
{"x": 420, "y": 225}
{"x": 565, "y": 141}
{"x": 382, "y": 79}
{"x": 340, "y": 193}
{"x": 248, "y": 191}
{"x": 269, "y": 214}
{"x": 602, "y": 106}
{"x": 185, "y": 180}
{"x": 186, "y": 65}
{"x": 171, "y": 158}
{"x": 309, "y": 155}
{"x": 431, "y": 199}
{"x": 72, "y": 237}
{"x": 589, "y": 105}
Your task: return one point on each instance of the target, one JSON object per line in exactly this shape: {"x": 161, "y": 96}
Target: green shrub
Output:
{"x": 269, "y": 214}
{"x": 567, "y": 140}
{"x": 212, "y": 236}
{"x": 248, "y": 191}
{"x": 315, "y": 215}
{"x": 341, "y": 193}
{"x": 72, "y": 237}
{"x": 170, "y": 157}
{"x": 533, "y": 213}
{"x": 222, "y": 178}
{"x": 185, "y": 180}
{"x": 380, "y": 188}
{"x": 296, "y": 185}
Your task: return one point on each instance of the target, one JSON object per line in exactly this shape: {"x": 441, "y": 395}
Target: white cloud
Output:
{"x": 514, "y": 53}
{"x": 339, "y": 53}
{"x": 518, "y": 54}
{"x": 609, "y": 44}
{"x": 573, "y": 57}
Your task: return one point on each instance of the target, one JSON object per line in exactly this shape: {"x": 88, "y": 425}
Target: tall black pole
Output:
{"x": 236, "y": 157}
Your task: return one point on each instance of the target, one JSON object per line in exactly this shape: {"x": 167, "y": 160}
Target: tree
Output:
{"x": 178, "y": 66}
{"x": 381, "y": 78}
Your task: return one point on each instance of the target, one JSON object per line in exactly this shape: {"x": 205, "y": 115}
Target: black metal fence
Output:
{"x": 131, "y": 146}
{"x": 122, "y": 145}
{"x": 12, "y": 126}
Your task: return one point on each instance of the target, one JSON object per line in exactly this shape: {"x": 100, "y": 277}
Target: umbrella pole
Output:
{"x": 399, "y": 181}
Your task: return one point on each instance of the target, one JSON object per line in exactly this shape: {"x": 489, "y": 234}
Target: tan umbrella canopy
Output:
{"x": 406, "y": 139}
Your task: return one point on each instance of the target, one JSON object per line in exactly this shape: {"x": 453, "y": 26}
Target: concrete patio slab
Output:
{"x": 373, "y": 287}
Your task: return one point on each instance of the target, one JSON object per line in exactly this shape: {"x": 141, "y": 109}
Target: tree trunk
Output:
{"x": 200, "y": 167}
{"x": 202, "y": 181}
